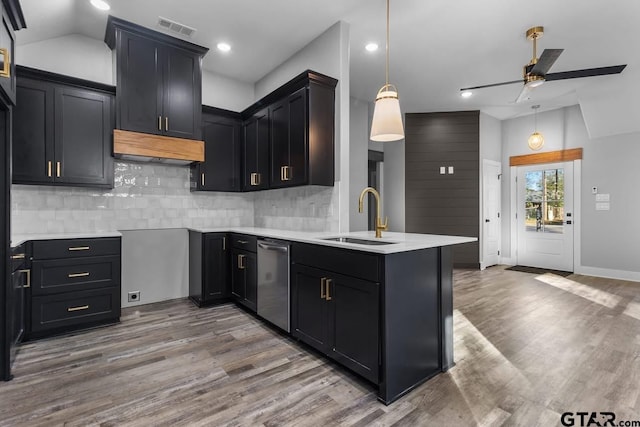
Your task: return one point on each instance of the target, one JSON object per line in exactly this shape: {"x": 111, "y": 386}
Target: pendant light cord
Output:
{"x": 387, "y": 50}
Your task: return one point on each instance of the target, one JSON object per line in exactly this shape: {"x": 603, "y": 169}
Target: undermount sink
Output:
{"x": 357, "y": 241}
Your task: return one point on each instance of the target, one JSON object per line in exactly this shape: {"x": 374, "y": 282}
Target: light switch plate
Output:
{"x": 602, "y": 197}
{"x": 604, "y": 206}
{"x": 443, "y": 170}
{"x": 451, "y": 170}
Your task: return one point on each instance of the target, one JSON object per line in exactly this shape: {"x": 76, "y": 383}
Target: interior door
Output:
{"x": 491, "y": 201}
{"x": 545, "y": 216}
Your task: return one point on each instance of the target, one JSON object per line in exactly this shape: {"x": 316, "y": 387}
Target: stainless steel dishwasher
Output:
{"x": 273, "y": 282}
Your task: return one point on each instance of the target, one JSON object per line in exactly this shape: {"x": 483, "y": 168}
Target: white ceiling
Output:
{"x": 437, "y": 46}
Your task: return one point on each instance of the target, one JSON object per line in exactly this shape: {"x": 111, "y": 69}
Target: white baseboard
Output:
{"x": 608, "y": 273}
{"x": 508, "y": 261}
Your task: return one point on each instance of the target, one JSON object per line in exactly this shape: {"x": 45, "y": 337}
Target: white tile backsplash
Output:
{"x": 150, "y": 195}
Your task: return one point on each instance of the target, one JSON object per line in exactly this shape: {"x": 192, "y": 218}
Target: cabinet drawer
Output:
{"x": 74, "y": 308}
{"x": 244, "y": 241}
{"x": 71, "y": 248}
{"x": 75, "y": 274}
{"x": 344, "y": 261}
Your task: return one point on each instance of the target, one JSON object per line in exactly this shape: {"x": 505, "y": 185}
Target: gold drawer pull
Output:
{"x": 255, "y": 179}
{"x": 6, "y": 68}
{"x": 79, "y": 248}
{"x": 58, "y": 169}
{"x": 72, "y": 275}
{"x": 82, "y": 307}
{"x": 203, "y": 179}
{"x": 17, "y": 256}
{"x": 240, "y": 262}
{"x": 328, "y": 283}
{"x": 322, "y": 282}
{"x": 49, "y": 169}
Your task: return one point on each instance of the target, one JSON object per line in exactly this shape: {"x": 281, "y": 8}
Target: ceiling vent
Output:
{"x": 175, "y": 27}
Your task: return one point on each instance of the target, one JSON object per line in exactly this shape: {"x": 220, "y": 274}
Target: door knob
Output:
{"x": 487, "y": 220}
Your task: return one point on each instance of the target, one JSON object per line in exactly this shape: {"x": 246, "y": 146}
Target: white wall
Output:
{"x": 73, "y": 55}
{"x": 609, "y": 239}
{"x": 223, "y": 92}
{"x": 358, "y": 162}
{"x": 393, "y": 182}
{"x": 327, "y": 54}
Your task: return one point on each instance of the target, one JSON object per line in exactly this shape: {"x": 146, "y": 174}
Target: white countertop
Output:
{"x": 21, "y": 238}
{"x": 398, "y": 242}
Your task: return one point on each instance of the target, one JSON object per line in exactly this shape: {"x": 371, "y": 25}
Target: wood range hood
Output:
{"x": 139, "y": 146}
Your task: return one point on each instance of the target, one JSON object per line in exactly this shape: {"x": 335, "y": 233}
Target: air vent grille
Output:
{"x": 175, "y": 27}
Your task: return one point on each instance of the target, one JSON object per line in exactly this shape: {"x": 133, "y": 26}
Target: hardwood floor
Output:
{"x": 527, "y": 349}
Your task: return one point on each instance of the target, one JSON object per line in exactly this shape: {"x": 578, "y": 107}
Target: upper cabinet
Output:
{"x": 255, "y": 152}
{"x": 62, "y": 130}
{"x": 12, "y": 20}
{"x": 220, "y": 171}
{"x": 159, "y": 81}
{"x": 302, "y": 128}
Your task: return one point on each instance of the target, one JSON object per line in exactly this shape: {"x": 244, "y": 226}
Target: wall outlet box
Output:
{"x": 133, "y": 296}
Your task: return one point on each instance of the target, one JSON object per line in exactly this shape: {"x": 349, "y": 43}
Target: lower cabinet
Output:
{"x": 75, "y": 284}
{"x": 208, "y": 268}
{"x": 339, "y": 316}
{"x": 244, "y": 278}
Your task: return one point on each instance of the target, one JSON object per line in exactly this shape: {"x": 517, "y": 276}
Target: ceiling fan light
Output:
{"x": 534, "y": 81}
{"x": 535, "y": 141}
{"x": 386, "y": 125}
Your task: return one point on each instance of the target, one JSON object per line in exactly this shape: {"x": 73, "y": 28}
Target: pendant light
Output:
{"x": 536, "y": 140}
{"x": 387, "y": 124}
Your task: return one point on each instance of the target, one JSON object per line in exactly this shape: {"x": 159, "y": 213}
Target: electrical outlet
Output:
{"x": 133, "y": 296}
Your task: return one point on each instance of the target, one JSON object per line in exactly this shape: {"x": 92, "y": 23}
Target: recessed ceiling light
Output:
{"x": 371, "y": 47}
{"x": 100, "y": 4}
{"x": 224, "y": 47}
{"x": 466, "y": 94}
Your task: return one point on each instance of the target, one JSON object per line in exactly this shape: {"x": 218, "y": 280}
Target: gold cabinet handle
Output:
{"x": 328, "y": 284}
{"x": 202, "y": 179}
{"x": 224, "y": 243}
{"x": 159, "y": 122}
{"x": 285, "y": 174}
{"x": 281, "y": 173}
{"x": 28, "y": 273}
{"x": 6, "y": 67}
{"x": 240, "y": 262}
{"x": 79, "y": 248}
{"x": 255, "y": 178}
{"x": 49, "y": 168}
{"x": 322, "y": 282}
{"x": 166, "y": 123}
{"x": 73, "y": 275}
{"x": 17, "y": 256}
{"x": 82, "y": 307}
{"x": 58, "y": 169}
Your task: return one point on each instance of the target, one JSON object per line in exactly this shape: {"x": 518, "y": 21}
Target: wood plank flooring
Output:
{"x": 527, "y": 349}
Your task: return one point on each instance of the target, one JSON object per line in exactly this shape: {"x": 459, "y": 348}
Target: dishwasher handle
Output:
{"x": 273, "y": 246}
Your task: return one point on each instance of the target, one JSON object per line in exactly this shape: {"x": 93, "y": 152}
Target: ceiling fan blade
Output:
{"x": 547, "y": 59}
{"x": 589, "y": 72}
{"x": 524, "y": 93}
{"x": 491, "y": 85}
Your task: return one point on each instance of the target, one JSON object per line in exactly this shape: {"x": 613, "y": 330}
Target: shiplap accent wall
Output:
{"x": 449, "y": 203}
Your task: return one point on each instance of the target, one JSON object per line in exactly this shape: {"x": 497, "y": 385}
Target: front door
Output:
{"x": 545, "y": 216}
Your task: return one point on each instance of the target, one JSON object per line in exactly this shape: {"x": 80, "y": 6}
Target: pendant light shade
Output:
{"x": 387, "y": 119}
{"x": 386, "y": 124}
{"x": 536, "y": 140}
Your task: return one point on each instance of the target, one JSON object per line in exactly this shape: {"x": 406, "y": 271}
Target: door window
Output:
{"x": 544, "y": 201}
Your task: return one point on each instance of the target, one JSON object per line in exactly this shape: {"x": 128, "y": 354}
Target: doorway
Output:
{"x": 374, "y": 179}
{"x": 491, "y": 204}
{"x": 544, "y": 216}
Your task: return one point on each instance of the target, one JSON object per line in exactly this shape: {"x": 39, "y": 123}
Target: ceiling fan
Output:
{"x": 536, "y": 73}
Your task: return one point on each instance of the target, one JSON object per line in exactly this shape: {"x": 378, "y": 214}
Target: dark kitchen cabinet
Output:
{"x": 338, "y": 315}
{"x": 75, "y": 284}
{"x": 302, "y": 132}
{"x": 208, "y": 268}
{"x": 7, "y": 53}
{"x": 159, "y": 81}
{"x": 244, "y": 280}
{"x": 62, "y": 131}
{"x": 255, "y": 152}
{"x": 220, "y": 171}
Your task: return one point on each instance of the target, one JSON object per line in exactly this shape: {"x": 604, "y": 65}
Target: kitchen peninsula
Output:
{"x": 380, "y": 307}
